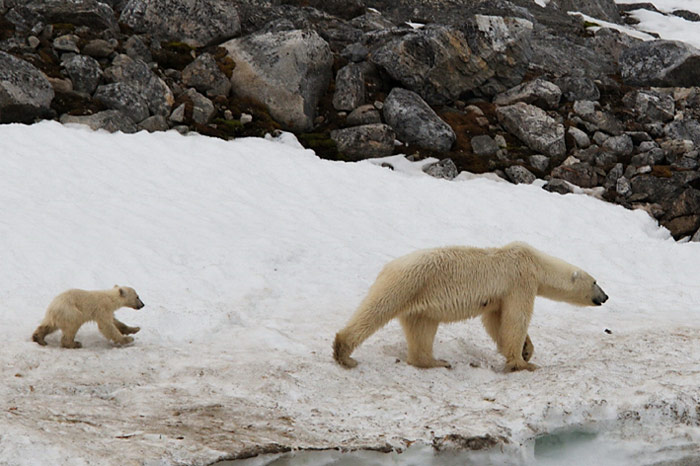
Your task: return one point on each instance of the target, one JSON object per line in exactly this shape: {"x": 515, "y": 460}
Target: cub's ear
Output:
{"x": 575, "y": 275}
{"x": 116, "y": 286}
{"x": 122, "y": 293}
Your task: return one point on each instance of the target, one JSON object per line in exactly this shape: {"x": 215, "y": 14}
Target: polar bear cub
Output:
{"x": 71, "y": 309}
{"x": 427, "y": 287}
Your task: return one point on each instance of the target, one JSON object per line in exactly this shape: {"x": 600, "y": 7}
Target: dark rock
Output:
{"x": 484, "y": 145}
{"x": 355, "y": 52}
{"x": 123, "y": 97}
{"x": 503, "y": 43}
{"x": 640, "y": 137}
{"x": 580, "y": 137}
{"x": 435, "y": 62}
{"x": 100, "y": 48}
{"x": 687, "y": 15}
{"x": 154, "y": 123}
{"x": 66, "y": 43}
{"x": 349, "y": 87}
{"x": 650, "y": 105}
{"x": 623, "y": 187}
{"x": 619, "y": 145}
{"x": 137, "y": 50}
{"x": 579, "y": 173}
{"x": 372, "y": 21}
{"x": 685, "y": 163}
{"x": 196, "y": 22}
{"x": 138, "y": 74}
{"x": 556, "y": 185}
{"x": 661, "y": 63}
{"x": 680, "y": 227}
{"x": 613, "y": 175}
{"x": 684, "y": 129}
{"x": 91, "y": 13}
{"x": 204, "y": 75}
{"x": 362, "y": 142}
{"x": 364, "y": 115}
{"x": 84, "y": 72}
{"x": 415, "y": 122}
{"x": 445, "y": 169}
{"x": 597, "y": 119}
{"x": 202, "y": 108}
{"x": 539, "y": 162}
{"x": 534, "y": 127}
{"x": 25, "y": 93}
{"x": 676, "y": 148}
{"x": 662, "y": 190}
{"x": 109, "y": 120}
{"x": 520, "y": 175}
{"x": 537, "y": 92}
{"x": 578, "y": 88}
{"x": 288, "y": 71}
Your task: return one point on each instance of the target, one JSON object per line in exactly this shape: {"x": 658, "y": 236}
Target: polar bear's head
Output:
{"x": 129, "y": 297}
{"x": 585, "y": 290}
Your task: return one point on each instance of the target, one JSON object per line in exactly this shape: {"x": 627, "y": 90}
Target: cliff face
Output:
{"x": 524, "y": 89}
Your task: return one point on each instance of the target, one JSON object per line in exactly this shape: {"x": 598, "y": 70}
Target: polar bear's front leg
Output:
{"x": 111, "y": 332}
{"x": 125, "y": 329}
{"x": 420, "y": 335}
{"x": 512, "y": 339}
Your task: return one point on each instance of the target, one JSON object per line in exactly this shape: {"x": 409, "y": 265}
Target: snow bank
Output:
{"x": 251, "y": 254}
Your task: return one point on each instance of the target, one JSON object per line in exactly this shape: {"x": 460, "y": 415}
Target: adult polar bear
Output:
{"x": 448, "y": 284}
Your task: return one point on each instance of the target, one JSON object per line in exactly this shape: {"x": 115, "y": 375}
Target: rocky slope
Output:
{"x": 505, "y": 86}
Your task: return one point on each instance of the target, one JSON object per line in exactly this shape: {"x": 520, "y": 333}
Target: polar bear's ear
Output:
{"x": 575, "y": 275}
{"x": 122, "y": 293}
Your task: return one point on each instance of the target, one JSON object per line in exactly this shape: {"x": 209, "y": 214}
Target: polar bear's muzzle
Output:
{"x": 599, "y": 296}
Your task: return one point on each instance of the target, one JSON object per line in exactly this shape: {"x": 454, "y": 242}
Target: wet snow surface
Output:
{"x": 251, "y": 254}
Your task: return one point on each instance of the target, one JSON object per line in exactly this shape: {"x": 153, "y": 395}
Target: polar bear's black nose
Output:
{"x": 598, "y": 300}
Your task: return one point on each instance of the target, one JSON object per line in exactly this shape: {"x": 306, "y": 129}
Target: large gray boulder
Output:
{"x": 661, "y": 63}
{"x": 435, "y": 62}
{"x": 195, "y": 22}
{"x": 288, "y": 71}
{"x": 91, "y": 13}
{"x": 139, "y": 75}
{"x": 415, "y": 122}
{"x": 366, "y": 141}
{"x": 505, "y": 46}
{"x": 534, "y": 127}
{"x": 25, "y": 93}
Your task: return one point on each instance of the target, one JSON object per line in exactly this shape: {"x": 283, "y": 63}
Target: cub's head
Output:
{"x": 129, "y": 297}
{"x": 587, "y": 291}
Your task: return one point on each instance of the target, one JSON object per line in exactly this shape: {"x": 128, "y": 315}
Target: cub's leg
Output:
{"x": 515, "y": 318}
{"x": 492, "y": 324}
{"x": 125, "y": 329}
{"x": 67, "y": 340}
{"x": 41, "y": 332}
{"x": 111, "y": 332}
{"x": 420, "y": 334}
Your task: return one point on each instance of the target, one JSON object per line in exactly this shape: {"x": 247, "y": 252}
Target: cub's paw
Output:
{"x": 125, "y": 340}
{"x": 514, "y": 366}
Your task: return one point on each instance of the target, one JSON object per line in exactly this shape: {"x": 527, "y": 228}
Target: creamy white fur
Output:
{"x": 449, "y": 284}
{"x": 71, "y": 309}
